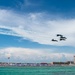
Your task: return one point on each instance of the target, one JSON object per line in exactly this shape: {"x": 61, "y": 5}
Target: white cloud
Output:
{"x": 26, "y": 4}
{"x": 31, "y": 3}
{"x": 38, "y": 27}
{"x": 32, "y": 55}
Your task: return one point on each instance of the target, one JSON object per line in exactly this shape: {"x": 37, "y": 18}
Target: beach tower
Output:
{"x": 8, "y": 57}
{"x": 74, "y": 59}
{"x": 8, "y": 60}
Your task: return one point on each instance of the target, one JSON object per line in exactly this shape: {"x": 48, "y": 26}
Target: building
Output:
{"x": 74, "y": 59}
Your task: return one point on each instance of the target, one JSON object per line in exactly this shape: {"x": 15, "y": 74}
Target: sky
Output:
{"x": 28, "y": 26}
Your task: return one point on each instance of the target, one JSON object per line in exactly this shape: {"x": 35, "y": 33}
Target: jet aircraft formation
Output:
{"x": 61, "y": 38}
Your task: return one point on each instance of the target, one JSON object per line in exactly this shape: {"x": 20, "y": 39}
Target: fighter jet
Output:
{"x": 62, "y": 38}
{"x": 54, "y": 40}
{"x": 59, "y": 35}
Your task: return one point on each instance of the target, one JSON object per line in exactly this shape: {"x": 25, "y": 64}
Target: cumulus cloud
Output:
{"x": 32, "y": 55}
{"x": 38, "y": 27}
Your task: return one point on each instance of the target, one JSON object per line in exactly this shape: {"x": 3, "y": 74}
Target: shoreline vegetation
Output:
{"x": 10, "y": 64}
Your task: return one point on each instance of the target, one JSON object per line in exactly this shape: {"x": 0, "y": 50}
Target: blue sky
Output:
{"x": 27, "y": 27}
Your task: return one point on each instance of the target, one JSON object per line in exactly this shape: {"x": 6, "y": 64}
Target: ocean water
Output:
{"x": 65, "y": 70}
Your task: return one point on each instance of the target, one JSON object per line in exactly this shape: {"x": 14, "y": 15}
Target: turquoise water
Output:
{"x": 67, "y": 70}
